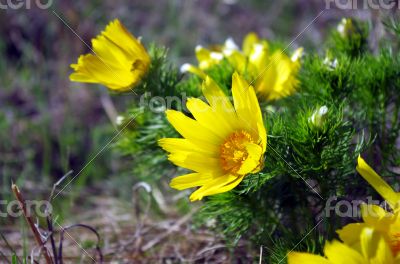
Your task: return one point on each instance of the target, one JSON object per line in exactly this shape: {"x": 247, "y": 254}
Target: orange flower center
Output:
{"x": 234, "y": 152}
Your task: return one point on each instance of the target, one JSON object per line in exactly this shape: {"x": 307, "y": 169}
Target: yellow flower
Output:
{"x": 373, "y": 249}
{"x": 222, "y": 144}
{"x": 375, "y": 217}
{"x": 378, "y": 184}
{"x": 375, "y": 241}
{"x": 388, "y": 224}
{"x": 119, "y": 63}
{"x": 274, "y": 74}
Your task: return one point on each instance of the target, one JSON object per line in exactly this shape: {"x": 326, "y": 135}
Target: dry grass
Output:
{"x": 131, "y": 236}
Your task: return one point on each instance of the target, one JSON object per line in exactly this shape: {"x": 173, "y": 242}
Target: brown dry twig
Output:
{"x": 31, "y": 223}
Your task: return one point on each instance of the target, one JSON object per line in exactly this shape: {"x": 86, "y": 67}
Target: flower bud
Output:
{"x": 318, "y": 118}
{"x": 346, "y": 27}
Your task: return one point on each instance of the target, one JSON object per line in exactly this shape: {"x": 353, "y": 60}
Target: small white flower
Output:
{"x": 230, "y": 44}
{"x": 185, "y": 67}
{"x": 258, "y": 50}
{"x": 198, "y": 48}
{"x": 217, "y": 56}
{"x": 119, "y": 120}
{"x": 297, "y": 54}
{"x": 340, "y": 29}
{"x": 331, "y": 64}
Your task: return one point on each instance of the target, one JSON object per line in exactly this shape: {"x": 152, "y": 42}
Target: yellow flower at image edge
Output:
{"x": 387, "y": 223}
{"x": 222, "y": 144}
{"x": 376, "y": 240}
{"x": 119, "y": 63}
{"x": 378, "y": 184}
{"x": 373, "y": 249}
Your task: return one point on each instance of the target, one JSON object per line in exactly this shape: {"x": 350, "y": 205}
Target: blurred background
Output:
{"x": 50, "y": 126}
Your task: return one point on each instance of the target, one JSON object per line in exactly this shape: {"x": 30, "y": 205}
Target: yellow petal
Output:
{"x": 306, "y": 258}
{"x": 237, "y": 59}
{"x": 240, "y": 92}
{"x": 196, "y": 162}
{"x": 110, "y": 53}
{"x": 219, "y": 102}
{"x": 202, "y": 53}
{"x": 368, "y": 242}
{"x": 350, "y": 234}
{"x": 262, "y": 133}
{"x": 374, "y": 247}
{"x": 266, "y": 82}
{"x": 252, "y": 163}
{"x": 192, "y": 130}
{"x": 376, "y": 216}
{"x": 384, "y": 253}
{"x": 339, "y": 253}
{"x": 118, "y": 34}
{"x": 248, "y": 109}
{"x": 258, "y": 118}
{"x": 190, "y": 180}
{"x": 227, "y": 187}
{"x": 378, "y": 184}
{"x": 249, "y": 41}
{"x": 192, "y": 69}
{"x": 174, "y": 145}
{"x": 259, "y": 58}
{"x": 91, "y": 69}
{"x": 219, "y": 184}
{"x": 209, "y": 117}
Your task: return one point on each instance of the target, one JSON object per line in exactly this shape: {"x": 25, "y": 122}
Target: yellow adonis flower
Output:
{"x": 119, "y": 61}
{"x": 373, "y": 249}
{"x": 376, "y": 240}
{"x": 274, "y": 75}
{"x": 388, "y": 223}
{"x": 222, "y": 144}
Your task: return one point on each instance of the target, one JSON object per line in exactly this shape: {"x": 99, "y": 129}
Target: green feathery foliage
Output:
{"x": 347, "y": 104}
